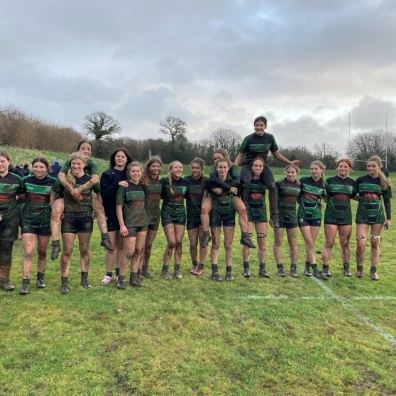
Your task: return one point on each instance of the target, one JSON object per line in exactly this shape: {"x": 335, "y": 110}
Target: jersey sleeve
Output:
{"x": 244, "y": 145}
{"x": 93, "y": 168}
{"x": 274, "y": 147}
{"x": 386, "y": 196}
{"x": 57, "y": 187}
{"x": 120, "y": 198}
{"x": 96, "y": 188}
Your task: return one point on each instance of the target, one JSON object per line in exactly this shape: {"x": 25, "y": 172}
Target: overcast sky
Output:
{"x": 304, "y": 64}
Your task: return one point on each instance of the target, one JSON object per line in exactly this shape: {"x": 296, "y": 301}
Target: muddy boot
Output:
{"x": 373, "y": 273}
{"x": 84, "y": 280}
{"x": 146, "y": 273}
{"x": 326, "y": 271}
{"x": 293, "y": 271}
{"x": 40, "y": 280}
{"x": 316, "y": 273}
{"x": 262, "y": 271}
{"x": 106, "y": 243}
{"x": 206, "y": 238}
{"x": 246, "y": 269}
{"x": 55, "y": 249}
{"x": 25, "y": 287}
{"x": 64, "y": 285}
{"x": 177, "y": 273}
{"x": 247, "y": 241}
{"x": 215, "y": 276}
{"x": 165, "y": 272}
{"x": 281, "y": 271}
{"x": 5, "y": 283}
{"x": 307, "y": 269}
{"x": 347, "y": 270}
{"x": 121, "y": 282}
{"x": 359, "y": 271}
{"x": 134, "y": 280}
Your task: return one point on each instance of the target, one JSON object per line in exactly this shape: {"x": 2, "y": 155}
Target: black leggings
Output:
{"x": 268, "y": 179}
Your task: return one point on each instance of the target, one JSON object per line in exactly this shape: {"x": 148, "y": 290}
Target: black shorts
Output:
{"x": 153, "y": 227}
{"x": 309, "y": 222}
{"x": 77, "y": 222}
{"x": 31, "y": 229}
{"x": 287, "y": 225}
{"x": 193, "y": 223}
{"x": 9, "y": 228}
{"x": 112, "y": 224}
{"x": 225, "y": 217}
{"x": 133, "y": 231}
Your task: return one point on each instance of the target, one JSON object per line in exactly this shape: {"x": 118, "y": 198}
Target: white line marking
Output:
{"x": 321, "y": 297}
{"x": 364, "y": 319}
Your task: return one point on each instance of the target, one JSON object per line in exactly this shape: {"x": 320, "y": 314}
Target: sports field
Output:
{"x": 194, "y": 336}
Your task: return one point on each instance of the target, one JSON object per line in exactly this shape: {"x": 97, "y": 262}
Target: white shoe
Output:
{"x": 106, "y": 280}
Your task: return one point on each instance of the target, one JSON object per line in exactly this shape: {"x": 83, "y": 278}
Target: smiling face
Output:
{"x": 155, "y": 169}
{"x": 259, "y": 127}
{"x": 85, "y": 149}
{"x": 373, "y": 168}
{"x": 343, "y": 169}
{"x": 177, "y": 170}
{"x": 77, "y": 166}
{"x": 196, "y": 170}
{"x": 135, "y": 174}
{"x": 120, "y": 159}
{"x": 291, "y": 174}
{"x": 257, "y": 167}
{"x": 39, "y": 169}
{"x": 4, "y": 163}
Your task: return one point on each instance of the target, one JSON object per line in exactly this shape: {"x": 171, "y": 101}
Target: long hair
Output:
{"x": 385, "y": 182}
{"x": 132, "y": 165}
{"x": 170, "y": 167}
{"x": 71, "y": 179}
{"x": 347, "y": 160}
{"x": 146, "y": 173}
{"x": 42, "y": 160}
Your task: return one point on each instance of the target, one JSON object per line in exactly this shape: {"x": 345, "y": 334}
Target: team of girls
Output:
{"x": 131, "y": 207}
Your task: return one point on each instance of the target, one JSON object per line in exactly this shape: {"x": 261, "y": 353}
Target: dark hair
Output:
{"x": 42, "y": 160}
{"x": 5, "y": 155}
{"x": 112, "y": 157}
{"x": 260, "y": 118}
{"x": 81, "y": 142}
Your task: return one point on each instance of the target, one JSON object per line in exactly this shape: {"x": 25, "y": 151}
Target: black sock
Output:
{"x": 165, "y": 268}
{"x": 177, "y": 267}
{"x": 105, "y": 235}
{"x": 109, "y": 274}
{"x": 246, "y": 265}
{"x": 373, "y": 268}
{"x": 215, "y": 268}
{"x": 117, "y": 271}
{"x": 228, "y": 268}
{"x": 326, "y": 267}
{"x": 262, "y": 265}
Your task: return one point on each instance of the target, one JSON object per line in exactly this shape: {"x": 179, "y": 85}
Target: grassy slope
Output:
{"x": 199, "y": 337}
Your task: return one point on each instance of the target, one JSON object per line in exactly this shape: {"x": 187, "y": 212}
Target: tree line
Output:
{"x": 20, "y": 129}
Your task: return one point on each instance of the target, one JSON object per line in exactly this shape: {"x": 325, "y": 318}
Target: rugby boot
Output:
{"x": 25, "y": 287}
{"x": 64, "y": 285}
{"x": 281, "y": 271}
{"x": 55, "y": 249}
{"x": 84, "y": 280}
{"x": 106, "y": 243}
{"x": 293, "y": 271}
{"x": 40, "y": 280}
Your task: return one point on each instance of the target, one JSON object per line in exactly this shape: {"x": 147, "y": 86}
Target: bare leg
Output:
{"x": 170, "y": 233}
{"x": 29, "y": 246}
{"x": 361, "y": 235}
{"x": 68, "y": 240}
{"x": 56, "y": 214}
{"x": 278, "y": 237}
{"x": 193, "y": 238}
{"x": 102, "y": 223}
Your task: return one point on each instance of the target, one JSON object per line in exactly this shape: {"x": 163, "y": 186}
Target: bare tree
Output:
{"x": 175, "y": 128}
{"x": 227, "y": 139}
{"x": 101, "y": 125}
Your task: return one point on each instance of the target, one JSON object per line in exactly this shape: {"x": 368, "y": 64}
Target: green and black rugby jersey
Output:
{"x": 195, "y": 193}
{"x": 37, "y": 209}
{"x": 10, "y": 187}
{"x": 255, "y": 145}
{"x": 370, "y": 209}
{"x": 288, "y": 193}
{"x": 226, "y": 196}
{"x": 85, "y": 205}
{"x": 175, "y": 193}
{"x": 310, "y": 198}
{"x": 339, "y": 193}
{"x": 90, "y": 167}
{"x": 153, "y": 191}
{"x": 234, "y": 180}
{"x": 257, "y": 209}
{"x": 132, "y": 199}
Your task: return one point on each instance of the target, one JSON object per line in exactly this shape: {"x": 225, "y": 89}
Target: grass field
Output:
{"x": 277, "y": 336}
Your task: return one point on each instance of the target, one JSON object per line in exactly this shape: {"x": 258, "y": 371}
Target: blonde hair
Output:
{"x": 296, "y": 168}
{"x": 385, "y": 182}
{"x": 132, "y": 165}
{"x": 319, "y": 164}
{"x": 71, "y": 179}
{"x": 170, "y": 167}
{"x": 347, "y": 160}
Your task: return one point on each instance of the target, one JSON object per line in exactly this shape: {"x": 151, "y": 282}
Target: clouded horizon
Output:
{"x": 305, "y": 65}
